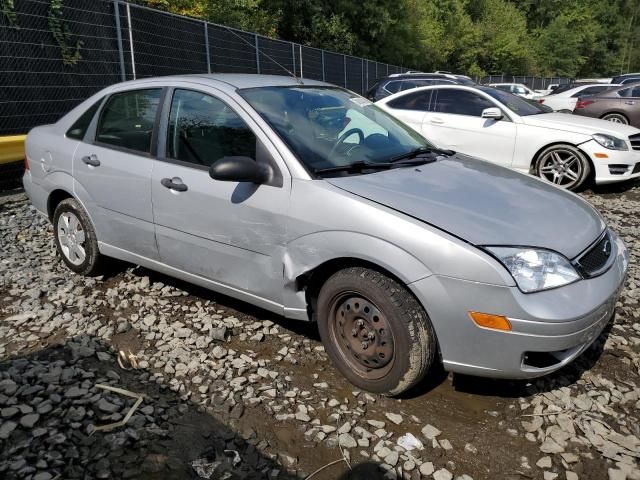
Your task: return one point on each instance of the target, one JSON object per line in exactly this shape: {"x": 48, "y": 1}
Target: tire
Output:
{"x": 358, "y": 305}
{"x": 616, "y": 118}
{"x": 76, "y": 238}
{"x": 563, "y": 165}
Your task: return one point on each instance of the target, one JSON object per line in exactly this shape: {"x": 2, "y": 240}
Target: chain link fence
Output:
{"x": 54, "y": 54}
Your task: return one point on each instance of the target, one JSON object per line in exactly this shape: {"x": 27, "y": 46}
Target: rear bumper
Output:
{"x": 549, "y": 329}
{"x": 616, "y": 167}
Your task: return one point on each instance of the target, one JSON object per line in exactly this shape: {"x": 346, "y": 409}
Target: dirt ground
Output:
{"x": 249, "y": 396}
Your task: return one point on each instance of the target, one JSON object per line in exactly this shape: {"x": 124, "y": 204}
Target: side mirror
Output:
{"x": 240, "y": 169}
{"x": 492, "y": 113}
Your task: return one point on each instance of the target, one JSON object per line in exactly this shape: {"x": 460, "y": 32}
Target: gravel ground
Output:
{"x": 228, "y": 391}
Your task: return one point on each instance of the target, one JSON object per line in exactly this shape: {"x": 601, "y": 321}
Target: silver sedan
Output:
{"x": 307, "y": 200}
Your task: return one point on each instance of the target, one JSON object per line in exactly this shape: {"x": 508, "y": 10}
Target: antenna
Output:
{"x": 299, "y": 80}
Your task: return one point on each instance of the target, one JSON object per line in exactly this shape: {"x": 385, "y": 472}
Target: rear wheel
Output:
{"x": 616, "y": 118}
{"x": 375, "y": 332}
{"x": 563, "y": 165}
{"x": 75, "y": 237}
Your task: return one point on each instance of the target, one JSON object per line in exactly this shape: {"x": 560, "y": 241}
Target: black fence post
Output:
{"x": 206, "y": 46}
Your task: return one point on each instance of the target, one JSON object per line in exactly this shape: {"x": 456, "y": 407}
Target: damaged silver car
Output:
{"x": 306, "y": 200}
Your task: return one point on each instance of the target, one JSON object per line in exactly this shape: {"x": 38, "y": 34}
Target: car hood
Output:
{"x": 579, "y": 124}
{"x": 483, "y": 204}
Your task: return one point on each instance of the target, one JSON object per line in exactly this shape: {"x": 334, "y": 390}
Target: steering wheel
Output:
{"x": 346, "y": 135}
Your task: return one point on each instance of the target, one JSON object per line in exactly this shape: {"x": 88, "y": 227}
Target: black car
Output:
{"x": 626, "y": 78}
{"x": 404, "y": 81}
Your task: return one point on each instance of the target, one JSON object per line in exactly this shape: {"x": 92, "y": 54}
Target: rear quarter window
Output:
{"x": 80, "y": 126}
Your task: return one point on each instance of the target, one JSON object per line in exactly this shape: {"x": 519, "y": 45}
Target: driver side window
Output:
{"x": 203, "y": 129}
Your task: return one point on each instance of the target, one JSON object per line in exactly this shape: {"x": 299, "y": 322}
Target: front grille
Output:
{"x": 594, "y": 260}
{"x": 635, "y": 141}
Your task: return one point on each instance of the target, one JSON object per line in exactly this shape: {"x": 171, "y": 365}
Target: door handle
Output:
{"x": 91, "y": 160}
{"x": 174, "y": 183}
{"x": 437, "y": 121}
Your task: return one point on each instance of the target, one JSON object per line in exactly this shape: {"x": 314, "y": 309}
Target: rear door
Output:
{"x": 630, "y": 105}
{"x": 455, "y": 121}
{"x": 112, "y": 170}
{"x": 232, "y": 233}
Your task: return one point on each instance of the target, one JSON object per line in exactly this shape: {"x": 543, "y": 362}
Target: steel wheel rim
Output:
{"x": 72, "y": 238}
{"x": 362, "y": 334}
{"x": 562, "y": 167}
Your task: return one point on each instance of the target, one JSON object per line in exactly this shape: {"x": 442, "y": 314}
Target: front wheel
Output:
{"x": 616, "y": 118}
{"x": 563, "y": 165}
{"x": 374, "y": 331}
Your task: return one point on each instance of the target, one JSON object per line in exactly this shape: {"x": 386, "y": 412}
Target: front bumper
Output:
{"x": 549, "y": 328}
{"x": 619, "y": 165}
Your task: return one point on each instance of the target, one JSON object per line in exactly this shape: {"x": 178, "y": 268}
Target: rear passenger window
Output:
{"x": 412, "y": 101}
{"x": 79, "y": 128}
{"x": 128, "y": 118}
{"x": 203, "y": 129}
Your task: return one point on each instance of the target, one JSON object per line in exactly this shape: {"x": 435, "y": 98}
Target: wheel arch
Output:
{"x": 54, "y": 199}
{"x": 311, "y": 281}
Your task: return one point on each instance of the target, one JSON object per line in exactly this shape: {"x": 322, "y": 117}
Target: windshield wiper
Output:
{"x": 422, "y": 152}
{"x": 360, "y": 166}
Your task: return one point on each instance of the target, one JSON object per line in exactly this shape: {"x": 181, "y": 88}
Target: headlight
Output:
{"x": 610, "y": 142}
{"x": 535, "y": 269}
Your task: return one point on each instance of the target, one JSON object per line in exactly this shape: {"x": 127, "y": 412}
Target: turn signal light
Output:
{"x": 601, "y": 155}
{"x": 583, "y": 103}
{"x": 487, "y": 320}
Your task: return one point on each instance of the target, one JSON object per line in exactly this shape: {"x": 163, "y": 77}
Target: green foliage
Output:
{"x": 8, "y": 10}
{"x": 476, "y": 37}
{"x": 61, "y": 33}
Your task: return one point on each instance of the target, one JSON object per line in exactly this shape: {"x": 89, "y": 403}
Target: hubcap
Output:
{"x": 362, "y": 334}
{"x": 72, "y": 238}
{"x": 562, "y": 167}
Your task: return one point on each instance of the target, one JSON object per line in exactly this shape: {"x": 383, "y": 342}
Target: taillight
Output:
{"x": 583, "y": 103}
{"x": 541, "y": 100}
{"x": 26, "y": 163}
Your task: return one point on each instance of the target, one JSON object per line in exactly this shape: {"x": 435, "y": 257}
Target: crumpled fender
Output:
{"x": 310, "y": 251}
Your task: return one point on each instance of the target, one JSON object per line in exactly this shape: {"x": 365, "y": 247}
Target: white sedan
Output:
{"x": 502, "y": 128}
{"x": 565, "y": 101}
{"x": 519, "y": 89}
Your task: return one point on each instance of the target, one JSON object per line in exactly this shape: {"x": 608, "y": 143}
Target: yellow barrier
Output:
{"x": 12, "y": 148}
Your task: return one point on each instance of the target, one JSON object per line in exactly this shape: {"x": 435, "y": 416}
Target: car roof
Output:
{"x": 406, "y": 75}
{"x": 430, "y": 87}
{"x": 235, "y": 81}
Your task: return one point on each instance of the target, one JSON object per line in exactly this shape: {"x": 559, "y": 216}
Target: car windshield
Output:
{"x": 328, "y": 127}
{"x": 516, "y": 104}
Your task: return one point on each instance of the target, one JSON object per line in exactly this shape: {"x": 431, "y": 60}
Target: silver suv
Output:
{"x": 307, "y": 200}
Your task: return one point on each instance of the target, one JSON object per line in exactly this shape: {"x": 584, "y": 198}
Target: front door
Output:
{"x": 112, "y": 171}
{"x": 228, "y": 232}
{"x": 455, "y": 121}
